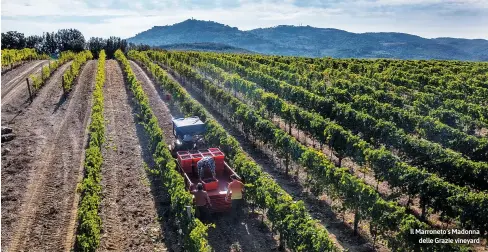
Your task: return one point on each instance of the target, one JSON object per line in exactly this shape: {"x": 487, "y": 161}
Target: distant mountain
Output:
{"x": 195, "y": 31}
{"x": 207, "y": 47}
{"x": 316, "y": 42}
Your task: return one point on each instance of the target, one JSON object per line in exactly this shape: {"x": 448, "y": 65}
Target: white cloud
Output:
{"x": 35, "y": 8}
{"x": 125, "y": 18}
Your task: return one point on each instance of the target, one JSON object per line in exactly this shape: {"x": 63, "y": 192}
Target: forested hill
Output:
{"x": 206, "y": 47}
{"x": 316, "y": 42}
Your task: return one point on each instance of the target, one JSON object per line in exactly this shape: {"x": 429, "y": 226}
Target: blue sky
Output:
{"x": 125, "y": 18}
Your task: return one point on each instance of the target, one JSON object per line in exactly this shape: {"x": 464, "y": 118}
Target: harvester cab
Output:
{"x": 189, "y": 133}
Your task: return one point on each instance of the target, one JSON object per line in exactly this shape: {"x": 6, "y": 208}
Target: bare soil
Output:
{"x": 6, "y": 69}
{"x": 19, "y": 155}
{"x": 249, "y": 234}
{"x": 483, "y": 132}
{"x": 128, "y": 209}
{"x": 42, "y": 166}
{"x": 20, "y": 72}
{"x": 14, "y": 88}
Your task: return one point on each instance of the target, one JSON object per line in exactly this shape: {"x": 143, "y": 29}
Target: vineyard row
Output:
{"x": 386, "y": 218}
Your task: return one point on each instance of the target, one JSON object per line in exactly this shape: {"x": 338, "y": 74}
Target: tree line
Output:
{"x": 52, "y": 43}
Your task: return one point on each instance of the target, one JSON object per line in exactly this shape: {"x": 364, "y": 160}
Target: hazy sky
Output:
{"x": 125, "y": 18}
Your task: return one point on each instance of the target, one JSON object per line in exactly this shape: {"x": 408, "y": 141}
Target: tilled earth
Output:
{"x": 14, "y": 89}
{"x": 249, "y": 234}
{"x": 42, "y": 166}
{"x": 128, "y": 211}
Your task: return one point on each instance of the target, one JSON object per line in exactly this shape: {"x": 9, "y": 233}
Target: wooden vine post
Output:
{"x": 62, "y": 84}
{"x": 28, "y": 88}
{"x": 357, "y": 216}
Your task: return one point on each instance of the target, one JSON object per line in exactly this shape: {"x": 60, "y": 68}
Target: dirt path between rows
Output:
{"x": 7, "y": 69}
{"x": 128, "y": 212}
{"x": 248, "y": 235}
{"x": 17, "y": 74}
{"x": 18, "y": 156}
{"x": 14, "y": 85}
{"x": 50, "y": 148}
{"x": 158, "y": 105}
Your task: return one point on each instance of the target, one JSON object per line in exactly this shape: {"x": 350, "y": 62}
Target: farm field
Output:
{"x": 336, "y": 154}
